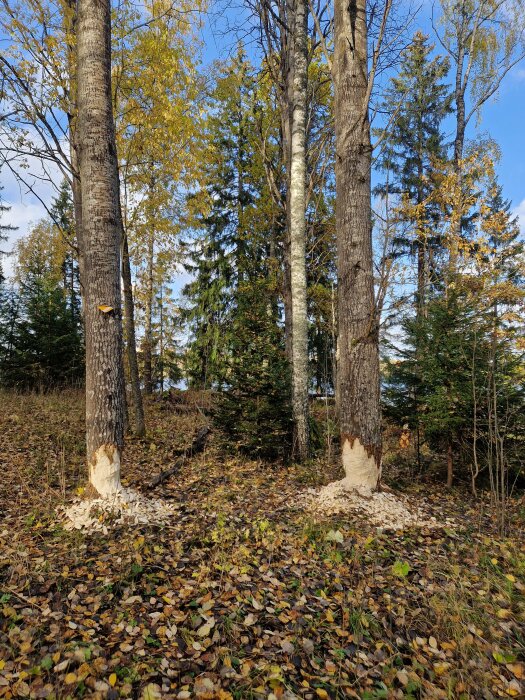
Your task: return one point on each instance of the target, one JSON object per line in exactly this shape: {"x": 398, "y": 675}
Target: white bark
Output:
{"x": 298, "y": 233}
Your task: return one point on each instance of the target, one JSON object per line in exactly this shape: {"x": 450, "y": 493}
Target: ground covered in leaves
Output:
{"x": 244, "y": 594}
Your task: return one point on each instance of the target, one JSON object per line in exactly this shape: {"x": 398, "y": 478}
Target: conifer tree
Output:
{"x": 220, "y": 261}
{"x": 420, "y": 101}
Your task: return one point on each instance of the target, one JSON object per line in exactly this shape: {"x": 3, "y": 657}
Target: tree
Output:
{"x": 155, "y": 88}
{"x": 484, "y": 41}
{"x": 43, "y": 343}
{"x": 105, "y": 400}
{"x": 226, "y": 250}
{"x": 358, "y": 335}
{"x": 297, "y": 199}
{"x": 461, "y": 387}
{"x": 254, "y": 413}
{"x": 412, "y": 147}
{"x": 5, "y": 229}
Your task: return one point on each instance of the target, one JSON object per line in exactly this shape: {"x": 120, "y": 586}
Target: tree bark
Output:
{"x": 358, "y": 363}
{"x": 70, "y": 20}
{"x": 138, "y": 427}
{"x": 298, "y": 233}
{"x": 450, "y": 466}
{"x": 286, "y": 102}
{"x": 101, "y": 238}
{"x": 148, "y": 322}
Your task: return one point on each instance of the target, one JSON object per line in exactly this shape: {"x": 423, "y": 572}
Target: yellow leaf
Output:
{"x": 105, "y": 309}
{"x": 503, "y": 614}
{"x": 321, "y": 693}
{"x": 2, "y": 664}
{"x": 441, "y": 668}
{"x": 517, "y": 669}
{"x": 70, "y": 678}
{"x": 329, "y": 616}
{"x": 151, "y": 692}
{"x": 113, "y": 679}
{"x": 510, "y": 577}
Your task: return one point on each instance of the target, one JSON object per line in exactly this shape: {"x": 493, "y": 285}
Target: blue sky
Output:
{"x": 502, "y": 118}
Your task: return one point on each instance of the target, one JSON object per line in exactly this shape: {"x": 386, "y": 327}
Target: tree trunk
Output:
{"x": 286, "y": 136}
{"x": 459, "y": 145}
{"x": 298, "y": 235}
{"x": 70, "y": 20}
{"x": 101, "y": 238}
{"x": 139, "y": 427}
{"x": 450, "y": 465}
{"x": 148, "y": 322}
{"x": 358, "y": 346}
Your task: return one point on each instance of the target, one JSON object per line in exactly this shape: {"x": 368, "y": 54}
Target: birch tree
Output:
{"x": 298, "y": 231}
{"x": 484, "y": 41}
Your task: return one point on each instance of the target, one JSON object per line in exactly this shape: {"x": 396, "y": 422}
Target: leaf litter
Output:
{"x": 243, "y": 592}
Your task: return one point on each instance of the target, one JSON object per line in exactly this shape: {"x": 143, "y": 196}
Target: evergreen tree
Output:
{"x": 224, "y": 249}
{"x": 419, "y": 101}
{"x": 233, "y": 313}
{"x": 42, "y": 331}
{"x": 255, "y": 412}
{"x": 458, "y": 375}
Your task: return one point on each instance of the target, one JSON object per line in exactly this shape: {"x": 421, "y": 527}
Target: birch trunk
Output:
{"x": 286, "y": 103}
{"x": 148, "y": 321}
{"x": 101, "y": 238}
{"x": 137, "y": 408}
{"x": 71, "y": 30}
{"x": 298, "y": 234}
{"x": 358, "y": 348}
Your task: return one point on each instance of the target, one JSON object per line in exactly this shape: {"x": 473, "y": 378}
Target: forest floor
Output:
{"x": 244, "y": 593}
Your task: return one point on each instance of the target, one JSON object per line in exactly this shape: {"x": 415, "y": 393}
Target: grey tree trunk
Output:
{"x": 286, "y": 102}
{"x": 297, "y": 219}
{"x": 137, "y": 408}
{"x": 358, "y": 348}
{"x": 148, "y": 322}
{"x": 70, "y": 20}
{"x": 105, "y": 400}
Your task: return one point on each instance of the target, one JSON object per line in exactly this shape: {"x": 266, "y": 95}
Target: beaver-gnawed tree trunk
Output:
{"x": 105, "y": 400}
{"x": 358, "y": 350}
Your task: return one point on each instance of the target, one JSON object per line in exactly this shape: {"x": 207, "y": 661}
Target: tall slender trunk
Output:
{"x": 137, "y": 408}
{"x": 421, "y": 244}
{"x": 101, "y": 246}
{"x": 459, "y": 145}
{"x": 450, "y": 465}
{"x": 148, "y": 322}
{"x": 161, "y": 340}
{"x": 358, "y": 342}
{"x": 70, "y": 20}
{"x": 286, "y": 136}
{"x": 298, "y": 233}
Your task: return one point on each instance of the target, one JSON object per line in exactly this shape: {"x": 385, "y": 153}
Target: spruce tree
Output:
{"x": 219, "y": 259}
{"x": 419, "y": 101}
